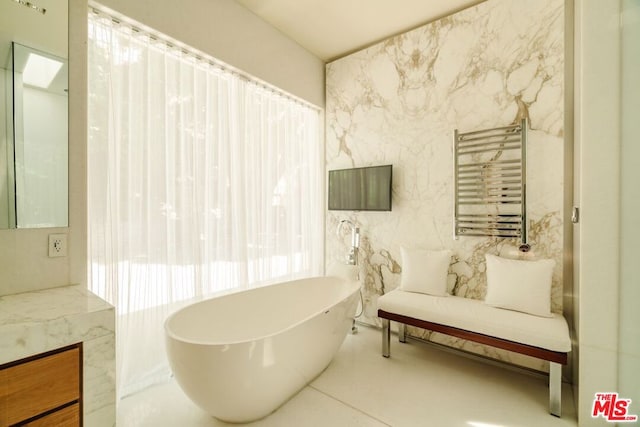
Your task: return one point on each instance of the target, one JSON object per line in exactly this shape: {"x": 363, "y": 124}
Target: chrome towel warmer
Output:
{"x": 490, "y": 197}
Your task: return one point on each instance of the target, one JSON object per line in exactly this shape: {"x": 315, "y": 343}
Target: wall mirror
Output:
{"x": 33, "y": 114}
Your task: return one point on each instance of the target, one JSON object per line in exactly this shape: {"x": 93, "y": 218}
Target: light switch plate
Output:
{"x": 57, "y": 245}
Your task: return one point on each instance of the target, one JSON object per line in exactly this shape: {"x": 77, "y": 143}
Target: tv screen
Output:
{"x": 360, "y": 189}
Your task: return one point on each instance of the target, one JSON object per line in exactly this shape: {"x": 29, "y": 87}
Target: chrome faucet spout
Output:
{"x": 355, "y": 237}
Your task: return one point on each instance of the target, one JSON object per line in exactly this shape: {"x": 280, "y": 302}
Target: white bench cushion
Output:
{"x": 550, "y": 333}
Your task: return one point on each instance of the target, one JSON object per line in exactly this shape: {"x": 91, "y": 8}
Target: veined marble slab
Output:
{"x": 399, "y": 101}
{"x": 36, "y": 322}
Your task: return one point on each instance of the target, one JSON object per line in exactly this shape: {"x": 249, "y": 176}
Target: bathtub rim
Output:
{"x": 354, "y": 284}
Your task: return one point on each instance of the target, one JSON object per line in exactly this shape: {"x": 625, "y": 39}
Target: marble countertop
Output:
{"x": 39, "y": 321}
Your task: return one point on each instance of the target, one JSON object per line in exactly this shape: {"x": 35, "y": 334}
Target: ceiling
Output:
{"x": 331, "y": 29}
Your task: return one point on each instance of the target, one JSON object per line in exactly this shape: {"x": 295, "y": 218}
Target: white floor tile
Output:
{"x": 166, "y": 405}
{"x": 421, "y": 385}
{"x": 418, "y": 386}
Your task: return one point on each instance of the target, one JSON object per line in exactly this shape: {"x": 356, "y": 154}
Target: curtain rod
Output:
{"x": 30, "y": 5}
{"x": 142, "y": 29}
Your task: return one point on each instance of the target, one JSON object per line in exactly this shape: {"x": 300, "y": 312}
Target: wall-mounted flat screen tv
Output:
{"x": 360, "y": 189}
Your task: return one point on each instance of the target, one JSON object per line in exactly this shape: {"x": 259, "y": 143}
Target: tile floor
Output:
{"x": 418, "y": 386}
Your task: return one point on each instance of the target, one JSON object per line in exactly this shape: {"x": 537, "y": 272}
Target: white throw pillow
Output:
{"x": 425, "y": 271}
{"x": 520, "y": 285}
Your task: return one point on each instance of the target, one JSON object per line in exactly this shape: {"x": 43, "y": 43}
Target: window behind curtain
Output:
{"x": 200, "y": 180}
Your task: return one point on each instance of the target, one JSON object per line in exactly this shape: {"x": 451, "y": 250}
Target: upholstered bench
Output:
{"x": 545, "y": 338}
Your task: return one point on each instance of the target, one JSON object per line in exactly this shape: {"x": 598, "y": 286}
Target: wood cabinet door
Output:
{"x": 68, "y": 416}
{"x": 38, "y": 385}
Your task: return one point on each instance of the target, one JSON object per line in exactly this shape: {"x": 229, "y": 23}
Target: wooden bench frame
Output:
{"x": 556, "y": 359}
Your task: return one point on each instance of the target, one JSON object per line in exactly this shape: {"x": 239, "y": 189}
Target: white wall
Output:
{"x": 221, "y": 28}
{"x": 24, "y": 261}
{"x": 629, "y": 334}
{"x": 607, "y": 175}
{"x": 231, "y": 33}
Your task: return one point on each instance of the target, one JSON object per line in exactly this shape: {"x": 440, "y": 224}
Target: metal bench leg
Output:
{"x": 402, "y": 332}
{"x": 555, "y": 388}
{"x": 386, "y": 337}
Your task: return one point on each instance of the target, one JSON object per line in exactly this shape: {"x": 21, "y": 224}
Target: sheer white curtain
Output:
{"x": 200, "y": 181}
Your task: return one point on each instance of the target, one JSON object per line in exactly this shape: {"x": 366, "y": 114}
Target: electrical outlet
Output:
{"x": 57, "y": 245}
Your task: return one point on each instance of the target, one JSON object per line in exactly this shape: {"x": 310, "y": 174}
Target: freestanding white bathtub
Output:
{"x": 240, "y": 356}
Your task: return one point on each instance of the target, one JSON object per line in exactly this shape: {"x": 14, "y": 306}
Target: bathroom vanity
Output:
{"x": 57, "y": 358}
{"x": 51, "y": 396}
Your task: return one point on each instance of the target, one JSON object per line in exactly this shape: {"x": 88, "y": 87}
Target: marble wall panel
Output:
{"x": 399, "y": 101}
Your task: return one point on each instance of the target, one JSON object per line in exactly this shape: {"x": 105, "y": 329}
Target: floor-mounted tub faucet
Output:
{"x": 352, "y": 256}
{"x": 352, "y": 259}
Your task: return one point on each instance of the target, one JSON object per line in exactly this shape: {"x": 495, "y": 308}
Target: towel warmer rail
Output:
{"x": 490, "y": 189}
